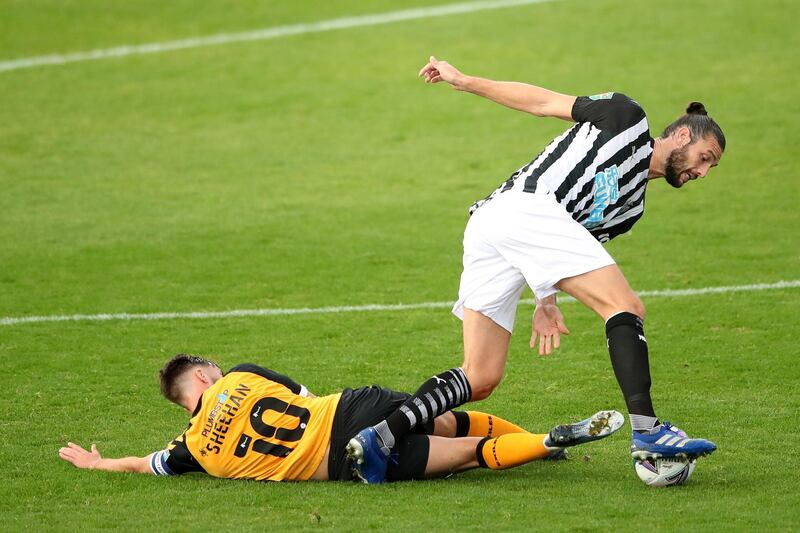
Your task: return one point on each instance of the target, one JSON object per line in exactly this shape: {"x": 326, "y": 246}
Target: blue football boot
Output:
{"x": 669, "y": 441}
{"x": 366, "y": 451}
{"x": 598, "y": 426}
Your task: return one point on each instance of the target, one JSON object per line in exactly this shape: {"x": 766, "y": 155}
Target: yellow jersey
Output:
{"x": 252, "y": 424}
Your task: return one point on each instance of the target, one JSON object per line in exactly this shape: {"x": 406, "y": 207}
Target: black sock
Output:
{"x": 439, "y": 394}
{"x": 462, "y": 423}
{"x": 628, "y": 349}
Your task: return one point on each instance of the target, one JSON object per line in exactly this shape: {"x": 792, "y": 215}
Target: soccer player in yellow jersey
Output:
{"x": 254, "y": 423}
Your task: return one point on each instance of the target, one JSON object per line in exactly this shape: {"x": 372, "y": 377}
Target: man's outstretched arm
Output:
{"x": 83, "y": 458}
{"x": 520, "y": 96}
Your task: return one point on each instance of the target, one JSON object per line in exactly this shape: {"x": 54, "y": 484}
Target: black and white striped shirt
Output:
{"x": 597, "y": 169}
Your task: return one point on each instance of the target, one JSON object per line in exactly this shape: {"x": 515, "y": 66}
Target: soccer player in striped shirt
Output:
{"x": 543, "y": 227}
{"x": 254, "y": 423}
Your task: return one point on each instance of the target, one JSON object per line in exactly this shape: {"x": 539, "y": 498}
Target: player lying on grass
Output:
{"x": 253, "y": 423}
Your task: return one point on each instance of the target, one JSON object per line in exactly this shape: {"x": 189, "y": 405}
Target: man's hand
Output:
{"x": 520, "y": 96}
{"x": 548, "y": 324}
{"x": 91, "y": 459}
{"x": 436, "y": 71}
{"x": 80, "y": 457}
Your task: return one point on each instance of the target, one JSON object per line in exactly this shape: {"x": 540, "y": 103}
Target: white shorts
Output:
{"x": 520, "y": 238}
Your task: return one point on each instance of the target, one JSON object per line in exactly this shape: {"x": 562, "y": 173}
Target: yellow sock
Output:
{"x": 510, "y": 450}
{"x": 486, "y": 425}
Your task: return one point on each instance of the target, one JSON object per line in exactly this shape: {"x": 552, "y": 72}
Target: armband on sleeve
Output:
{"x": 158, "y": 464}
{"x": 175, "y": 460}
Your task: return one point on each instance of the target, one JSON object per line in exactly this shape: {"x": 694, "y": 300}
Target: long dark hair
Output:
{"x": 699, "y": 123}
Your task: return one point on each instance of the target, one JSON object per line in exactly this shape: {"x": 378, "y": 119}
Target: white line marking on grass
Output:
{"x": 263, "y": 34}
{"x": 235, "y": 313}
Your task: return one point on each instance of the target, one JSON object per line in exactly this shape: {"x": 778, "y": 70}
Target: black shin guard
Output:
{"x": 439, "y": 394}
{"x": 628, "y": 349}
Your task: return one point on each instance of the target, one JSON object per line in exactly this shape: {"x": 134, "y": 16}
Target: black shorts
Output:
{"x": 364, "y": 407}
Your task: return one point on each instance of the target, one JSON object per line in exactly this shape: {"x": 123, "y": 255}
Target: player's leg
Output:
{"x": 488, "y": 296}
{"x": 457, "y": 424}
{"x": 607, "y": 293}
{"x": 371, "y": 446}
{"x": 422, "y": 456}
{"x": 473, "y": 424}
{"x": 446, "y": 456}
{"x": 493, "y": 288}
{"x": 485, "y": 349}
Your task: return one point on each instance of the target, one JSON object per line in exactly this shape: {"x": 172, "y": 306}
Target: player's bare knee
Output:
{"x": 637, "y": 307}
{"x": 482, "y": 378}
{"x": 632, "y": 304}
{"x": 483, "y": 387}
{"x": 481, "y": 393}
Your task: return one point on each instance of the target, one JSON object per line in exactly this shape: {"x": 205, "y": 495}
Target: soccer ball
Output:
{"x": 664, "y": 471}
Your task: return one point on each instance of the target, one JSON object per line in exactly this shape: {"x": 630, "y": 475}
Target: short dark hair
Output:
{"x": 699, "y": 123}
{"x": 174, "y": 369}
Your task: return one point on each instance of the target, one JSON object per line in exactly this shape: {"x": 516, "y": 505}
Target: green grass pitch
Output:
{"x": 317, "y": 170}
